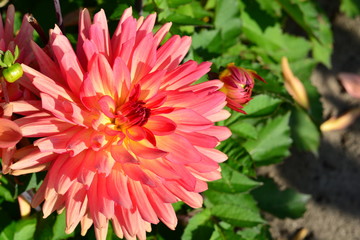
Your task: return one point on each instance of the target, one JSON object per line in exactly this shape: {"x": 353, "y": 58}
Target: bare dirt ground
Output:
{"x": 333, "y": 178}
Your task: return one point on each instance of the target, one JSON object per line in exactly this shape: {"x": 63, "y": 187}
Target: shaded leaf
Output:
{"x": 286, "y": 203}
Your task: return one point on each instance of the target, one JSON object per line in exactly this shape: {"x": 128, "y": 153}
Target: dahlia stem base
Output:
{"x": 4, "y": 90}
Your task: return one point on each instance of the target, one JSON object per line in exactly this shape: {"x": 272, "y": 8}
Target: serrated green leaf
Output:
{"x": 261, "y": 105}
{"x": 244, "y": 129}
{"x": 286, "y": 203}
{"x": 223, "y": 234}
{"x": 177, "y": 3}
{"x": 199, "y": 226}
{"x": 232, "y": 181}
{"x": 305, "y": 134}
{"x": 273, "y": 141}
{"x": 240, "y": 200}
{"x": 240, "y": 217}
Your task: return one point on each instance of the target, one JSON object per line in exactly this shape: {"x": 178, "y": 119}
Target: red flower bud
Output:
{"x": 238, "y": 85}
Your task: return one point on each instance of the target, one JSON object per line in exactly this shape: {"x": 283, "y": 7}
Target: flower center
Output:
{"x": 132, "y": 113}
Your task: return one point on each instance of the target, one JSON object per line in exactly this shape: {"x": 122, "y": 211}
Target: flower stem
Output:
{"x": 139, "y": 6}
{"x": 59, "y": 17}
{"x": 4, "y": 90}
{"x": 35, "y": 24}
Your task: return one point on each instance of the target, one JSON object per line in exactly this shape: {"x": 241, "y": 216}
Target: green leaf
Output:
{"x": 16, "y": 53}
{"x": 286, "y": 203}
{"x": 232, "y": 181}
{"x": 59, "y": 228}
{"x": 240, "y": 217}
{"x": 239, "y": 158}
{"x": 199, "y": 226}
{"x": 304, "y": 132}
{"x": 350, "y": 7}
{"x": 223, "y": 234}
{"x": 207, "y": 40}
{"x": 256, "y": 233}
{"x": 227, "y": 19}
{"x": 240, "y": 200}
{"x": 8, "y": 58}
{"x": 261, "y": 105}
{"x": 6, "y": 189}
{"x": 23, "y": 229}
{"x": 244, "y": 129}
{"x": 273, "y": 141}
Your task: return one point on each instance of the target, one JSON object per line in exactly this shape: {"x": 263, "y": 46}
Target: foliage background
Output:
{"x": 254, "y": 34}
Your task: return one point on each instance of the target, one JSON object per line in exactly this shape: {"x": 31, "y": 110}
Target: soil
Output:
{"x": 333, "y": 177}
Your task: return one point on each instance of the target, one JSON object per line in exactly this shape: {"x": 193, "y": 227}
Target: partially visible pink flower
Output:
{"x": 238, "y": 85}
{"x": 10, "y": 133}
{"x": 124, "y": 132}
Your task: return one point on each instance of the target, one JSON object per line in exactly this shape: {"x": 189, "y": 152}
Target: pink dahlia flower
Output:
{"x": 10, "y": 133}
{"x": 124, "y": 132}
{"x": 238, "y": 85}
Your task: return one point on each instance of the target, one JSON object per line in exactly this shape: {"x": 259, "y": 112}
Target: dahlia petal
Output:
{"x": 56, "y": 143}
{"x": 121, "y": 155}
{"x": 172, "y": 53}
{"x": 68, "y": 173}
{"x": 6, "y": 155}
{"x": 188, "y": 120}
{"x": 165, "y": 211}
{"x": 143, "y": 58}
{"x": 86, "y": 223}
{"x": 46, "y": 64}
{"x": 160, "y": 125}
{"x": 106, "y": 205}
{"x": 9, "y": 24}
{"x": 214, "y": 154}
{"x": 117, "y": 228}
{"x": 160, "y": 168}
{"x": 35, "y": 157}
{"x": 199, "y": 139}
{"x": 40, "y": 126}
{"x": 101, "y": 232}
{"x": 10, "y": 133}
{"x": 101, "y": 33}
{"x": 219, "y": 116}
{"x": 76, "y": 206}
{"x": 146, "y": 26}
{"x": 126, "y": 35}
{"x": 40, "y": 193}
{"x": 117, "y": 188}
{"x": 176, "y": 146}
{"x": 136, "y": 133}
{"x": 122, "y": 80}
{"x": 33, "y": 169}
{"x": 137, "y": 173}
{"x": 105, "y": 162}
{"x": 79, "y": 141}
{"x": 160, "y": 34}
{"x": 150, "y": 84}
{"x": 220, "y": 132}
{"x": 192, "y": 199}
{"x": 52, "y": 202}
{"x": 84, "y": 25}
{"x": 99, "y": 218}
{"x": 87, "y": 170}
{"x": 47, "y": 85}
{"x": 143, "y": 151}
{"x": 26, "y": 107}
{"x": 143, "y": 206}
{"x": 69, "y": 64}
{"x": 23, "y": 39}
{"x": 66, "y": 110}
{"x": 107, "y": 106}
